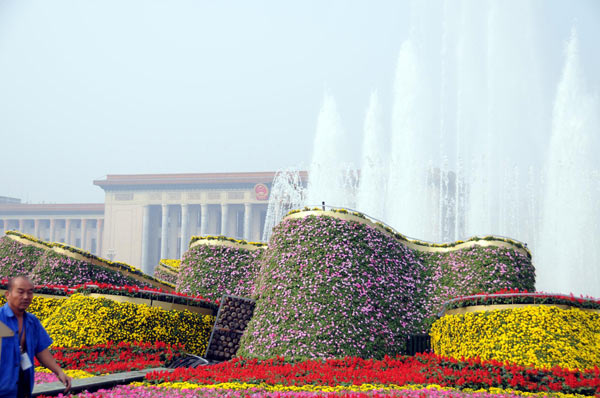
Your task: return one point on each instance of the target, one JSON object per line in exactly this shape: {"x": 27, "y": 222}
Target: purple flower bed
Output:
{"x": 474, "y": 270}
{"x": 162, "y": 275}
{"x": 213, "y": 270}
{"x": 56, "y": 269}
{"x": 333, "y": 288}
{"x": 17, "y": 258}
{"x": 50, "y": 268}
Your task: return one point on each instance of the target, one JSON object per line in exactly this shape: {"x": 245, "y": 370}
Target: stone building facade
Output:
{"x": 148, "y": 217}
{"x": 79, "y": 225}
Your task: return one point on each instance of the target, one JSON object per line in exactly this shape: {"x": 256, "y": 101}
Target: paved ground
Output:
{"x": 93, "y": 383}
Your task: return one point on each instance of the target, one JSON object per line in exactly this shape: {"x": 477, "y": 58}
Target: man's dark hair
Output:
{"x": 11, "y": 281}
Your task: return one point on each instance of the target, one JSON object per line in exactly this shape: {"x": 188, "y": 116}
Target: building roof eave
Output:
{"x": 188, "y": 180}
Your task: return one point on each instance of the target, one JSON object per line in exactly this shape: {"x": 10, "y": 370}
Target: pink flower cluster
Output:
{"x": 50, "y": 268}
{"x": 213, "y": 271}
{"x": 330, "y": 288}
{"x": 16, "y": 258}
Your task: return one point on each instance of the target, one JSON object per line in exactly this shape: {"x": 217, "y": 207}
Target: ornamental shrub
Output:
{"x": 543, "y": 336}
{"x": 212, "y": 270}
{"x": 17, "y": 258}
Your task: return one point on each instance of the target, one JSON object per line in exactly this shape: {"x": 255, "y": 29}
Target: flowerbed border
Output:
{"x": 221, "y": 240}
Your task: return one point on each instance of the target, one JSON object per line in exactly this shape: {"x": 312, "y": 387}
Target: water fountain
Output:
{"x": 467, "y": 150}
{"x": 570, "y": 239}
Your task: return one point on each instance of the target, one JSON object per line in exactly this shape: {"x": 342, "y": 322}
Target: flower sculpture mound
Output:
{"x": 329, "y": 288}
{"x": 56, "y": 269}
{"x": 472, "y": 270}
{"x": 17, "y": 258}
{"x": 544, "y": 336}
{"x": 167, "y": 270}
{"x": 57, "y": 264}
{"x": 214, "y": 269}
{"x": 331, "y": 285}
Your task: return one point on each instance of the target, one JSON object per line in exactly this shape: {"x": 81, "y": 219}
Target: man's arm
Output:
{"x": 46, "y": 359}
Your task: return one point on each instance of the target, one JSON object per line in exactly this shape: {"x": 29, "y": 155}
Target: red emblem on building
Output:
{"x": 261, "y": 191}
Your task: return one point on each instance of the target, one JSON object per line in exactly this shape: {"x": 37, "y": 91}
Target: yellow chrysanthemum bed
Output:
{"x": 83, "y": 320}
{"x": 544, "y": 336}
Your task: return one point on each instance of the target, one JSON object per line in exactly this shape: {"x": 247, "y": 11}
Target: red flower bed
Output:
{"x": 421, "y": 369}
{"x": 113, "y": 358}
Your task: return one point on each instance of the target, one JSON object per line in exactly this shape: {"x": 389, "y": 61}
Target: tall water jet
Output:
{"x": 372, "y": 186}
{"x": 469, "y": 139}
{"x": 287, "y": 193}
{"x": 331, "y": 178}
{"x": 407, "y": 197}
{"x": 568, "y": 253}
{"x": 499, "y": 116}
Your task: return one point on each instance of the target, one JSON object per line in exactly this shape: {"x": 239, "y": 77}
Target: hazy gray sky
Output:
{"x": 89, "y": 88}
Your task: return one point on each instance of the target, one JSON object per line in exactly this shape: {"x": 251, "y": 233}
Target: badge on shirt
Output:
{"x": 25, "y": 361}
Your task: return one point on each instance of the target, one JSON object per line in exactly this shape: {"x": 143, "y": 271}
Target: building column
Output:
{"x": 184, "y": 229}
{"x": 99, "y": 233}
{"x": 164, "y": 229}
{"x": 146, "y": 268}
{"x": 52, "y": 230}
{"x": 224, "y": 218}
{"x": 22, "y": 226}
{"x": 36, "y": 228}
{"x": 247, "y": 220}
{"x": 83, "y": 233}
{"x": 204, "y": 219}
{"x": 68, "y": 231}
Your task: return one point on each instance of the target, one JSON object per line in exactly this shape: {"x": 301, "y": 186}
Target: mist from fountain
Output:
{"x": 373, "y": 171}
{"x": 467, "y": 152}
{"x": 569, "y": 247}
{"x": 333, "y": 179}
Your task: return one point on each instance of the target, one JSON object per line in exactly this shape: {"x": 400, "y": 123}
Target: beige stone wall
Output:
{"x": 124, "y": 221}
{"x": 132, "y": 214}
{"x": 79, "y": 230}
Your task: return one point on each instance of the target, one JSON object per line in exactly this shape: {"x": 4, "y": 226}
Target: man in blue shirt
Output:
{"x": 30, "y": 339}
